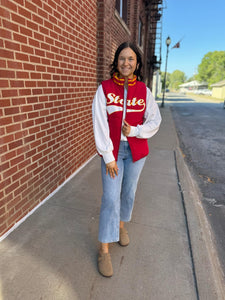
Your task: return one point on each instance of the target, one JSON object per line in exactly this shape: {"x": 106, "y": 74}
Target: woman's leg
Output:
{"x": 132, "y": 172}
{"x": 110, "y": 207}
{"x": 121, "y": 224}
{"x": 109, "y": 216}
{"x": 104, "y": 247}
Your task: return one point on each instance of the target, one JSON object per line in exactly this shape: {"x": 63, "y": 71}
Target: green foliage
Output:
{"x": 192, "y": 78}
{"x": 173, "y": 80}
{"x": 167, "y": 79}
{"x": 176, "y": 78}
{"x": 212, "y": 67}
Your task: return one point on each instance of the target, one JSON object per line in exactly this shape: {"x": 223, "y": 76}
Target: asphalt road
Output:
{"x": 200, "y": 125}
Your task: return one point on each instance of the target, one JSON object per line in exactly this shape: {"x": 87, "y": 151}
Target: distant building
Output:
{"x": 218, "y": 90}
{"x": 156, "y": 84}
{"x": 192, "y": 86}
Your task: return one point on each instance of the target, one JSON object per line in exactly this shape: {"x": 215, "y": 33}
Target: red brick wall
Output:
{"x": 47, "y": 81}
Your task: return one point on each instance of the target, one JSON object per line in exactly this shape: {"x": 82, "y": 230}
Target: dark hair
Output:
{"x": 124, "y": 45}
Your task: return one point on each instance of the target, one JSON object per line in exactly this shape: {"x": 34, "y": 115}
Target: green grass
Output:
{"x": 206, "y": 97}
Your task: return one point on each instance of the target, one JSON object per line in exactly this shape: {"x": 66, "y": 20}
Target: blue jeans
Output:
{"x": 118, "y": 194}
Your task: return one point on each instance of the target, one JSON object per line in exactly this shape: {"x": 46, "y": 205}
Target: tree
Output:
{"x": 212, "y": 67}
{"x": 176, "y": 78}
{"x": 167, "y": 79}
{"x": 192, "y": 78}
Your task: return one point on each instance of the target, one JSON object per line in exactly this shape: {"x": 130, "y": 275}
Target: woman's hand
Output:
{"x": 112, "y": 169}
{"x": 126, "y": 128}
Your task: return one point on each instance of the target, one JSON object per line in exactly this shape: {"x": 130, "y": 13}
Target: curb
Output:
{"x": 208, "y": 271}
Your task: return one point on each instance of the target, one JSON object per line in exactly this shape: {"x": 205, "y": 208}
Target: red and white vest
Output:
{"x": 135, "y": 109}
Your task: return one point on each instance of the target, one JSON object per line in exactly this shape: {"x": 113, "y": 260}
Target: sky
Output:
{"x": 201, "y": 26}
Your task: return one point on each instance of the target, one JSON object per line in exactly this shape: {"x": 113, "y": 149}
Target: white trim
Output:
{"x": 124, "y": 25}
{"x": 45, "y": 200}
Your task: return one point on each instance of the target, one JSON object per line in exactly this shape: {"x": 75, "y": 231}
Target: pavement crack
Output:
{"x": 213, "y": 202}
{"x": 92, "y": 288}
{"x": 166, "y": 229}
{"x": 121, "y": 261}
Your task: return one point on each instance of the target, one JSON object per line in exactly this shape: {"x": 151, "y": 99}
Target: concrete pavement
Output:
{"x": 52, "y": 255}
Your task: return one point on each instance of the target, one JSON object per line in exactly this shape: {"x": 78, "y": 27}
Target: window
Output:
{"x": 121, "y": 7}
{"x": 140, "y": 33}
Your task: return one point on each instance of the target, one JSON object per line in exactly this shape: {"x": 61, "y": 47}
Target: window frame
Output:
{"x": 122, "y": 9}
{"x": 140, "y": 33}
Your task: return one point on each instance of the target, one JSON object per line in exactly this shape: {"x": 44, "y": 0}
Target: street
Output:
{"x": 200, "y": 125}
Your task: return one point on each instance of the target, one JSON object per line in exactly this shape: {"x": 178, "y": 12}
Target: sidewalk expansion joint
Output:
{"x": 187, "y": 228}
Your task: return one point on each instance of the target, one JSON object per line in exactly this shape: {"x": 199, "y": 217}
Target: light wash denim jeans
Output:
{"x": 118, "y": 194}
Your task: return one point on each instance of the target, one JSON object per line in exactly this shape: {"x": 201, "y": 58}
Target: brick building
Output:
{"x": 129, "y": 20}
{"x": 53, "y": 55}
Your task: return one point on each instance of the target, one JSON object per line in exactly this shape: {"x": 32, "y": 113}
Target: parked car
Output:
{"x": 207, "y": 92}
{"x": 203, "y": 92}
{"x": 197, "y": 92}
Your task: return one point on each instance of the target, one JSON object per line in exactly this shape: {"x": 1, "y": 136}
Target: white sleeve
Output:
{"x": 152, "y": 119}
{"x": 103, "y": 142}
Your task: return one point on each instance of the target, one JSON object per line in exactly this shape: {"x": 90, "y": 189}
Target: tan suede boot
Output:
{"x": 104, "y": 264}
{"x": 124, "y": 238}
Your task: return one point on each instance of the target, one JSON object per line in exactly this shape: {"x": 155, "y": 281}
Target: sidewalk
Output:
{"x": 52, "y": 255}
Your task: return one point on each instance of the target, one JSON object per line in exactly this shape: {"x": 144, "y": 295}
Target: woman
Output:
{"x": 125, "y": 115}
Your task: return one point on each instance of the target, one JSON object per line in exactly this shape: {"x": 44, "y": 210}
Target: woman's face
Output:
{"x": 127, "y": 62}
